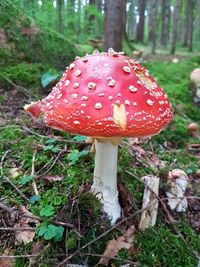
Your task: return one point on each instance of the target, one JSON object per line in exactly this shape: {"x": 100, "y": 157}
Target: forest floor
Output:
{"x": 65, "y": 220}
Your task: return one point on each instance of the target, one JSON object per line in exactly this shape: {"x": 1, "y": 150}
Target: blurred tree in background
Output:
{"x": 52, "y": 31}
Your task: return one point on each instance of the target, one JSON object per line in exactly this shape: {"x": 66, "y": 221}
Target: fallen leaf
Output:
{"x": 6, "y": 262}
{"x": 14, "y": 172}
{"x": 115, "y": 245}
{"x": 22, "y": 236}
{"x": 25, "y": 236}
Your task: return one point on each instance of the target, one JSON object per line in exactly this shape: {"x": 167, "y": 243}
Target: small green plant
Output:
{"x": 34, "y": 199}
{"x": 50, "y": 146}
{"x": 51, "y": 231}
{"x": 75, "y": 155}
{"x": 47, "y": 211}
{"x": 26, "y": 179}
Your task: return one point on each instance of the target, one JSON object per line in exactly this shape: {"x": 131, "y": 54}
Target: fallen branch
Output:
{"x": 54, "y": 221}
{"x": 53, "y": 163}
{"x": 26, "y": 129}
{"x": 18, "y": 256}
{"x": 17, "y": 229}
{"x": 23, "y": 90}
{"x": 33, "y": 175}
{"x": 1, "y": 163}
{"x": 16, "y": 188}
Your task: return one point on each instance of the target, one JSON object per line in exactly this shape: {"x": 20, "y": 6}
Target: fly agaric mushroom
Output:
{"x": 105, "y": 96}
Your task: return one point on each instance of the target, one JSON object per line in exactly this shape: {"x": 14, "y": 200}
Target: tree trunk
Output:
{"x": 191, "y": 20}
{"x": 99, "y": 5}
{"x": 165, "y": 28}
{"x": 186, "y": 23}
{"x": 141, "y": 22}
{"x": 153, "y": 26}
{"x": 113, "y": 32}
{"x": 59, "y": 8}
{"x": 131, "y": 20}
{"x": 197, "y": 22}
{"x": 71, "y": 11}
{"x": 91, "y": 17}
{"x": 175, "y": 26}
{"x": 78, "y": 26}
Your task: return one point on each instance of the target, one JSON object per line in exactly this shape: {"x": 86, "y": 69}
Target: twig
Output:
{"x": 1, "y": 163}
{"x": 53, "y": 163}
{"x": 21, "y": 89}
{"x": 16, "y": 189}
{"x": 45, "y": 165}
{"x": 18, "y": 256}
{"x": 54, "y": 221}
{"x": 101, "y": 256}
{"x": 33, "y": 175}
{"x": 123, "y": 143}
{"x": 101, "y": 236}
{"x": 16, "y": 229}
{"x": 54, "y": 137}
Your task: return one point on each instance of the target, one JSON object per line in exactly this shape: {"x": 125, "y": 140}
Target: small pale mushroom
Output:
{"x": 195, "y": 79}
{"x": 134, "y": 106}
{"x": 193, "y": 129}
{"x": 178, "y": 183}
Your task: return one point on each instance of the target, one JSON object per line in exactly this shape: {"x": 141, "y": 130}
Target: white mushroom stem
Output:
{"x": 105, "y": 178}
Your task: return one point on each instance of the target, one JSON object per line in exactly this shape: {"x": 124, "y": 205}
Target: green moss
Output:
{"x": 45, "y": 45}
{"x": 23, "y": 74}
{"x": 160, "y": 246}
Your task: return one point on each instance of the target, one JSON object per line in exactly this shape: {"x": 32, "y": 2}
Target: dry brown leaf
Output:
{"x": 14, "y": 172}
{"x": 6, "y": 262}
{"x": 115, "y": 245}
{"x": 25, "y": 236}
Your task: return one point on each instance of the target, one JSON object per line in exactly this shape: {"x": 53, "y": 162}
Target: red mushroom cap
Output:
{"x": 105, "y": 95}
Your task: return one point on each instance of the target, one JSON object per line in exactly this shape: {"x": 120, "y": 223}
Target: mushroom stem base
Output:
{"x": 105, "y": 178}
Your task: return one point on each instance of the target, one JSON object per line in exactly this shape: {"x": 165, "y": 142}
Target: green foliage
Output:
{"x": 174, "y": 78}
{"x": 30, "y": 43}
{"x": 22, "y": 74}
{"x": 71, "y": 242}
{"x": 167, "y": 248}
{"x": 34, "y": 199}
{"x": 47, "y": 211}
{"x": 75, "y": 155}
{"x": 79, "y": 138}
{"x": 50, "y": 231}
{"x": 26, "y": 179}
{"x": 50, "y": 76}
